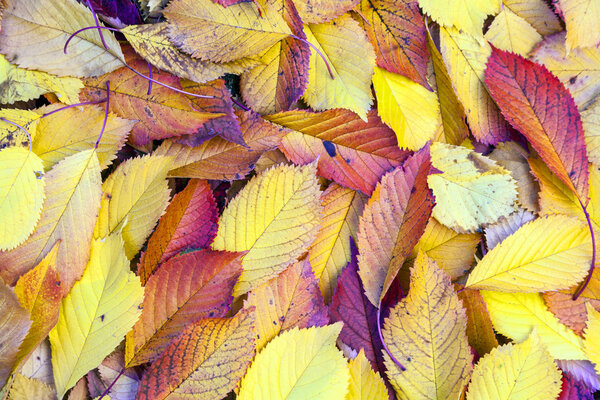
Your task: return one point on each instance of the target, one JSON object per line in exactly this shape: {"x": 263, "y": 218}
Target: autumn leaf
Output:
{"x": 580, "y": 17}
{"x": 365, "y": 384}
{"x": 24, "y": 388}
{"x": 465, "y": 15}
{"x": 317, "y": 11}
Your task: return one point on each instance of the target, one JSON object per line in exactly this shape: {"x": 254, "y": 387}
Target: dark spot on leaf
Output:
{"x": 102, "y": 318}
{"x": 329, "y": 147}
{"x": 573, "y": 80}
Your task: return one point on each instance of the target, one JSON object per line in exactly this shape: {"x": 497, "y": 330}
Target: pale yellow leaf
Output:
{"x": 581, "y": 20}
{"x": 466, "y": 15}
{"x": 512, "y": 33}
{"x": 11, "y": 135}
{"x": 591, "y": 342}
{"x": 412, "y": 111}
{"x": 590, "y": 119}
{"x": 24, "y": 388}
{"x": 365, "y": 384}
{"x": 537, "y": 13}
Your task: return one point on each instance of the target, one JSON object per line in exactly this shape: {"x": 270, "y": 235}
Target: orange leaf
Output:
{"x": 189, "y": 222}
{"x": 479, "y": 325}
{"x": 392, "y": 223}
{"x": 292, "y": 299}
{"x": 353, "y": 153}
{"x": 205, "y": 361}
{"x": 571, "y": 313}
{"x": 186, "y": 288}
{"x": 162, "y": 114}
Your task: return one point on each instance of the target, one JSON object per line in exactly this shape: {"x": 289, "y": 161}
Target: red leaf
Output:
{"x": 537, "y": 104}
{"x": 189, "y": 222}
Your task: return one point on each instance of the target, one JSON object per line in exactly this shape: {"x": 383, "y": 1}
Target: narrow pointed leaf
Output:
{"x": 21, "y": 195}
{"x": 538, "y": 105}
{"x": 351, "y": 152}
{"x": 186, "y": 288}
{"x": 298, "y": 364}
{"x": 34, "y": 34}
{"x": 96, "y": 314}
{"x": 521, "y": 371}
{"x": 205, "y": 361}
{"x": 479, "y": 325}
{"x": 73, "y": 191}
{"x": 426, "y": 333}
{"x": 392, "y": 223}
{"x": 275, "y": 217}
{"x": 190, "y": 221}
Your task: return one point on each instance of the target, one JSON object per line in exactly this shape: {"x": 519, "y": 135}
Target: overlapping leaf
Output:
{"x": 496, "y": 233}
{"x": 538, "y": 105}
{"x": 34, "y": 33}
{"x": 537, "y": 13}
{"x": 205, "y": 361}
{"x": 96, "y": 314}
{"x": 425, "y": 332}
{"x": 317, "y": 11}
{"x": 317, "y": 370}
{"x": 184, "y": 289}
{"x": 290, "y": 300}
{"x": 24, "y": 388}
{"x": 513, "y": 33}
{"x": 465, "y": 15}
{"x": 365, "y": 384}
{"x": 351, "y": 152}
{"x": 275, "y": 217}
{"x": 479, "y": 326}
{"x": 592, "y": 348}
{"x": 392, "y": 223}
{"x": 580, "y": 20}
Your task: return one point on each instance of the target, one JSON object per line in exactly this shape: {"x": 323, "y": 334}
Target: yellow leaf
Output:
{"x": 453, "y": 252}
{"x": 330, "y": 252}
{"x": 581, "y": 20}
{"x": 471, "y": 191}
{"x": 73, "y": 190}
{"x": 34, "y": 35}
{"x": 11, "y": 135}
{"x": 39, "y": 364}
{"x": 537, "y": 13}
{"x": 466, "y": 58}
{"x": 351, "y": 58}
{"x": 591, "y": 343}
{"x": 135, "y": 194}
{"x": 76, "y": 129}
{"x": 19, "y": 84}
{"x": 546, "y": 254}
{"x": 465, "y": 15}
{"x": 408, "y": 108}
{"x": 590, "y": 119}
{"x": 521, "y": 371}
{"x": 209, "y": 31}
{"x": 14, "y": 324}
{"x": 515, "y": 315}
{"x": 275, "y": 217}
{"x": 21, "y": 195}
{"x": 151, "y": 42}
{"x": 97, "y": 313}
{"x": 298, "y": 364}
{"x": 512, "y": 33}
{"x": 24, "y": 388}
{"x": 426, "y": 333}
{"x": 365, "y": 384}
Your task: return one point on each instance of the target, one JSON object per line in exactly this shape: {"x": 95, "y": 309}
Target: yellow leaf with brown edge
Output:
{"x": 134, "y": 197}
{"x": 73, "y": 191}
{"x": 14, "y": 324}
{"x": 212, "y": 32}
{"x": 22, "y": 194}
{"x": 151, "y": 41}
{"x": 20, "y": 84}
{"x": 330, "y": 251}
{"x": 96, "y": 314}
{"x": 298, "y": 364}
{"x": 516, "y": 371}
{"x": 40, "y": 292}
{"x": 426, "y": 333}
{"x": 351, "y": 59}
{"x": 365, "y": 384}
{"x": 275, "y": 217}
{"x": 34, "y": 34}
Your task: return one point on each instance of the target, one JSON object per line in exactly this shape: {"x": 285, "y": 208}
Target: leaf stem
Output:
{"x": 85, "y": 29}
{"x": 85, "y": 103}
{"x": 593, "y": 262}
{"x": 240, "y": 105}
{"x": 97, "y": 24}
{"x": 111, "y": 384}
{"x": 149, "y": 81}
{"x": 23, "y": 129}
{"x": 383, "y": 341}
{"x": 318, "y": 52}
{"x": 105, "y": 114}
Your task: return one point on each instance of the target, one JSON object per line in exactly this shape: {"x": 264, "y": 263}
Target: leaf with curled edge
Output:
{"x": 211, "y": 32}
{"x": 291, "y": 299}
{"x": 281, "y": 79}
{"x": 392, "y": 223}
{"x": 397, "y": 32}
{"x": 190, "y": 221}
{"x": 426, "y": 333}
{"x": 205, "y": 361}
{"x": 220, "y": 159}
{"x": 537, "y": 104}
{"x": 184, "y": 289}
{"x": 162, "y": 114}
{"x": 351, "y": 152}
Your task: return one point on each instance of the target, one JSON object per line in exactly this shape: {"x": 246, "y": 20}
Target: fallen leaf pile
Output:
{"x": 299, "y": 199}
